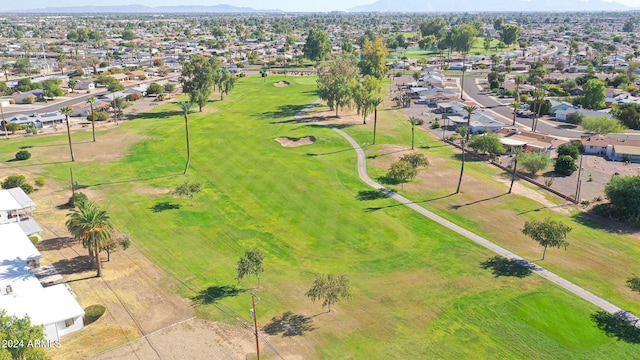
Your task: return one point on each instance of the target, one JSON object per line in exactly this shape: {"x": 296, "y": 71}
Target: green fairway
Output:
{"x": 418, "y": 290}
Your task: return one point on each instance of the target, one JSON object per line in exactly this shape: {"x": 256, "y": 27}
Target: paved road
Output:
{"x": 565, "y": 284}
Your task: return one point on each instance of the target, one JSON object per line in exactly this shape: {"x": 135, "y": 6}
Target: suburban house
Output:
{"x": 481, "y": 120}
{"x": 559, "y": 105}
{"x": 615, "y": 149}
{"x": 121, "y": 77}
{"x": 136, "y": 74}
{"x": 39, "y": 120}
{"x": 432, "y": 78}
{"x": 513, "y": 139}
{"x": 49, "y": 303}
{"x": 84, "y": 109}
{"x": 37, "y": 95}
{"x": 561, "y": 115}
{"x": 85, "y": 85}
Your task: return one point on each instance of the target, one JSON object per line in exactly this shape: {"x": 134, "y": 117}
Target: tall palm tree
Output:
{"x": 185, "y": 106}
{"x": 5, "y": 68}
{"x": 92, "y": 226}
{"x": 61, "y": 58}
{"x": 414, "y": 121}
{"x": 515, "y": 105}
{"x": 67, "y": 111}
{"x": 92, "y": 100}
{"x": 375, "y": 102}
{"x": 518, "y": 80}
{"x": 463, "y": 131}
{"x": 515, "y": 167}
{"x": 469, "y": 109}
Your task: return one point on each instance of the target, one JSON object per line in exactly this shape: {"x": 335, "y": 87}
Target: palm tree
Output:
{"x": 515, "y": 167}
{"x": 61, "y": 58}
{"x": 463, "y": 131}
{"x": 67, "y": 111}
{"x": 375, "y": 102}
{"x": 414, "y": 121}
{"x": 518, "y": 80}
{"x": 469, "y": 109}
{"x": 92, "y": 100}
{"x": 515, "y": 105}
{"x": 92, "y": 226}
{"x": 185, "y": 106}
{"x": 5, "y": 68}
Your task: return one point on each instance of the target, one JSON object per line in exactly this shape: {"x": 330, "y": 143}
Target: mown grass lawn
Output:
{"x": 418, "y": 289}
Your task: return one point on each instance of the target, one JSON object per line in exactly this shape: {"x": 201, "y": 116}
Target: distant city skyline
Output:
{"x": 285, "y": 5}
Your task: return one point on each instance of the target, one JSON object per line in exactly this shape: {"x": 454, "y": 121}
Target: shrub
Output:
{"x": 13, "y": 127}
{"x": 534, "y": 162}
{"x": 40, "y": 182}
{"x": 565, "y": 165}
{"x": 23, "y": 155}
{"x": 34, "y": 239}
{"x": 155, "y": 88}
{"x": 14, "y": 181}
{"x": 575, "y": 118}
{"x": 100, "y": 116}
{"x": 132, "y": 97}
{"x": 169, "y": 87}
{"x": 29, "y": 99}
{"x": 142, "y": 77}
{"x": 80, "y": 198}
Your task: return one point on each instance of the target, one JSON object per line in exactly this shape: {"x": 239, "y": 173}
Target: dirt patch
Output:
{"x": 294, "y": 142}
{"x": 282, "y": 84}
{"x": 601, "y": 165}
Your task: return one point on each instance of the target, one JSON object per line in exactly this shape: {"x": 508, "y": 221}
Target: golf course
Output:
{"x": 418, "y": 290}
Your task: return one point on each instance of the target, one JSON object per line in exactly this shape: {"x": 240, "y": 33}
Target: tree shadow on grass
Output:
{"x": 284, "y": 111}
{"x": 595, "y": 221}
{"x": 387, "y": 180}
{"x": 215, "y": 293}
{"x": 55, "y": 244}
{"x": 76, "y": 265}
{"x": 154, "y": 115}
{"x": 365, "y": 195}
{"x": 389, "y": 192}
{"x": 617, "y": 326}
{"x": 289, "y": 324}
{"x": 456, "y": 207}
{"x": 501, "y": 266}
{"x": 164, "y": 206}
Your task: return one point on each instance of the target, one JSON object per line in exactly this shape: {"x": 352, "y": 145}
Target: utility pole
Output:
{"x": 578, "y": 182}
{"x": 255, "y": 321}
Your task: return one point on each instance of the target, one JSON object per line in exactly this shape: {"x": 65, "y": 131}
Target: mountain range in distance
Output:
{"x": 409, "y": 6}
{"x": 142, "y": 9}
{"x": 490, "y": 6}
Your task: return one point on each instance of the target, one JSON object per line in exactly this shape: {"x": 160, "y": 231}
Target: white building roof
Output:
{"x": 22, "y": 198}
{"x": 8, "y": 202}
{"x": 48, "y": 306}
{"x": 14, "y": 244}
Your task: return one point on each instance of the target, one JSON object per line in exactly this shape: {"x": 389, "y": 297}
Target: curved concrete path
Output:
{"x": 565, "y": 284}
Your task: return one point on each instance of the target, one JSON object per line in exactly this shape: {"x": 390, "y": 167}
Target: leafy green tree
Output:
{"x": 427, "y": 42}
{"x": 115, "y": 87}
{"x": 629, "y": 115}
{"x": 569, "y": 150}
{"x": 13, "y": 127}
{"x": 185, "y": 106}
{"x": 594, "y": 94}
{"x": 91, "y": 100}
{"x": 334, "y": 82}
{"x": 188, "y": 189}
{"x": 402, "y": 171}
{"x": 374, "y": 54}
{"x": 433, "y": 26}
{"x": 487, "y": 143}
{"x": 92, "y": 226}
{"x": 14, "y": 181}
{"x": 128, "y": 35}
{"x": 601, "y": 124}
{"x": 22, "y": 65}
{"x": 498, "y": 23}
{"x": 535, "y": 161}
{"x": 547, "y": 233}
{"x": 629, "y": 26}
{"x": 226, "y": 82}
{"x": 199, "y": 75}
{"x": 509, "y": 34}
{"x": 462, "y": 132}
{"x": 364, "y": 90}
{"x": 250, "y": 264}
{"x": 52, "y": 88}
{"x": 330, "y": 289}
{"x": 13, "y": 328}
{"x": 23, "y": 155}
{"x": 415, "y": 159}
{"x": 317, "y": 45}
{"x": 414, "y": 122}
{"x": 623, "y": 193}
{"x": 155, "y": 89}
{"x": 66, "y": 111}
{"x": 71, "y": 84}
{"x": 565, "y": 165}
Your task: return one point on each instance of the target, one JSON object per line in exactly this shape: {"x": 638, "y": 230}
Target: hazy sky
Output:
{"x": 286, "y": 5}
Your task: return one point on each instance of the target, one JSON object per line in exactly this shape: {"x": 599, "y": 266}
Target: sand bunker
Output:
{"x": 281, "y": 84}
{"x": 293, "y": 142}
